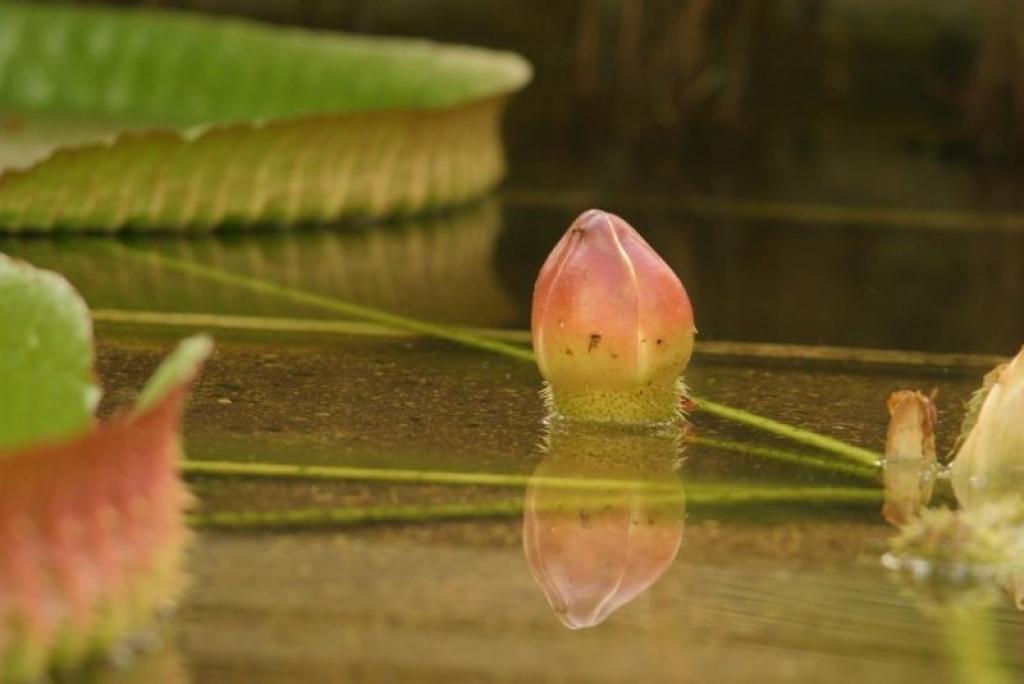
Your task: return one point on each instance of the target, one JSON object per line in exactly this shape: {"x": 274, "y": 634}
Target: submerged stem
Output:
{"x": 304, "y": 517}
{"x": 468, "y": 339}
{"x": 856, "y": 454}
{"x": 336, "y": 305}
{"x": 398, "y": 476}
{"x": 274, "y": 324}
{"x": 442, "y": 477}
{"x": 709, "y": 490}
{"x": 973, "y": 644}
{"x": 803, "y": 460}
{"x": 718, "y": 495}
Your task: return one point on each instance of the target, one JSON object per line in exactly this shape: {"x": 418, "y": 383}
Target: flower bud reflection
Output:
{"x": 603, "y": 520}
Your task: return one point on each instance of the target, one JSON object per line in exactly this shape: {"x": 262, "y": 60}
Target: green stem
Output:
{"x": 399, "y": 476}
{"x": 720, "y": 348}
{"x": 717, "y": 494}
{"x": 468, "y": 339}
{"x": 695, "y": 494}
{"x": 856, "y": 454}
{"x": 352, "y": 516}
{"x": 973, "y": 644}
{"x": 336, "y": 305}
{"x": 803, "y": 460}
{"x": 434, "y": 477}
{"x": 183, "y": 319}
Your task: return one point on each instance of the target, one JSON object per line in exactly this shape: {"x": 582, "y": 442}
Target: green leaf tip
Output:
{"x": 177, "y": 369}
{"x": 46, "y": 359}
{"x": 46, "y": 356}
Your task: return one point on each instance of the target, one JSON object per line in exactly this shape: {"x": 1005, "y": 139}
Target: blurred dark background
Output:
{"x": 894, "y": 102}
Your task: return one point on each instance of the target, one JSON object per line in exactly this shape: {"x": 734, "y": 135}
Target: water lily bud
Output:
{"x": 612, "y": 325}
{"x": 909, "y": 455}
{"x": 596, "y": 546}
{"x": 990, "y": 462}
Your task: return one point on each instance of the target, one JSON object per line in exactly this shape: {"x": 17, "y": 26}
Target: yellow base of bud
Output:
{"x": 650, "y": 405}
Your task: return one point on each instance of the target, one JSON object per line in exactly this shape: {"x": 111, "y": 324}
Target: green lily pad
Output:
{"x": 116, "y": 119}
{"x": 45, "y": 356}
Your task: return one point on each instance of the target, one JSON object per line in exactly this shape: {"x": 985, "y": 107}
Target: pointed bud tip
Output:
{"x": 603, "y": 223}
{"x": 596, "y": 219}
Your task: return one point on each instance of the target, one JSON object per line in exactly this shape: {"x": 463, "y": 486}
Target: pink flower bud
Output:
{"x": 612, "y": 325}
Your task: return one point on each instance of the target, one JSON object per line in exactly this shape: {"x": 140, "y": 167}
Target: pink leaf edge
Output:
{"x": 92, "y": 539}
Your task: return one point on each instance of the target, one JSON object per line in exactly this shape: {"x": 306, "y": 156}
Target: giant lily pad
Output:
{"x": 143, "y": 119}
{"x": 92, "y": 528}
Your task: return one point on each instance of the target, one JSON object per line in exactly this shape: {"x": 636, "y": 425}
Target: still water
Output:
{"x": 808, "y": 325}
{"x": 838, "y": 241}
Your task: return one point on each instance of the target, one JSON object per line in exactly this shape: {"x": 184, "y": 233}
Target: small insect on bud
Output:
{"x": 612, "y": 325}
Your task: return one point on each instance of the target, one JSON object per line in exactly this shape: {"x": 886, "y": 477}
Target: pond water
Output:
{"x": 807, "y": 324}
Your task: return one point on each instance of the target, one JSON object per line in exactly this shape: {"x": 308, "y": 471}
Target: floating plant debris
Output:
{"x": 909, "y": 455}
{"x": 969, "y": 552}
{"x": 962, "y": 556}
